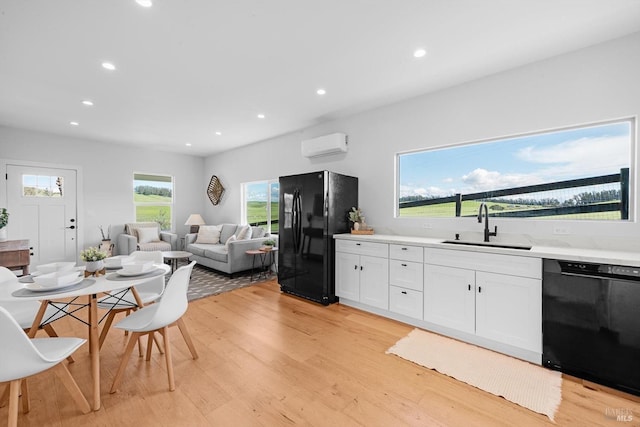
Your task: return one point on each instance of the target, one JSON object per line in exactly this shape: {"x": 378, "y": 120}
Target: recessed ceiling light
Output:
{"x": 261, "y": 116}
{"x": 74, "y": 123}
{"x": 88, "y": 103}
{"x": 218, "y": 133}
{"x": 321, "y": 91}
{"x": 188, "y": 144}
{"x": 108, "y": 66}
{"x": 419, "y": 53}
{"x": 145, "y": 3}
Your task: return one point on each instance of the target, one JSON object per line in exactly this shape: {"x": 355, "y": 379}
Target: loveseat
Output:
{"x": 145, "y": 236}
{"x": 223, "y": 247}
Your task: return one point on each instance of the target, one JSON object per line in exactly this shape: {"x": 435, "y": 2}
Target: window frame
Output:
{"x": 631, "y": 170}
{"x": 141, "y": 175}
{"x": 243, "y": 201}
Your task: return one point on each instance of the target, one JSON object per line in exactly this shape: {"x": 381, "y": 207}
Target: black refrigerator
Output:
{"x": 313, "y": 207}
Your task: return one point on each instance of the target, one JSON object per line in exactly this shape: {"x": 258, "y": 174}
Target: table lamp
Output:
{"x": 195, "y": 221}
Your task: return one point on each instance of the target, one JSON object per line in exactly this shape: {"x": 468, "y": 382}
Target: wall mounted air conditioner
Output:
{"x": 324, "y": 145}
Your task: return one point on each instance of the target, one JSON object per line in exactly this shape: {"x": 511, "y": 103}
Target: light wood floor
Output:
{"x": 268, "y": 359}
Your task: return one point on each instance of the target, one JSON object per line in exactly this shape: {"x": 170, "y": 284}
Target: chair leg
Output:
{"x": 71, "y": 385}
{"x": 167, "y": 356}
{"x": 150, "y": 345}
{"x": 133, "y": 339}
{"x": 14, "y": 396}
{"x": 106, "y": 327}
{"x": 187, "y": 338}
{"x": 24, "y": 391}
{"x": 53, "y": 334}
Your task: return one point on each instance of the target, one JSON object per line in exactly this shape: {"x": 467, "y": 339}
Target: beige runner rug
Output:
{"x": 528, "y": 385}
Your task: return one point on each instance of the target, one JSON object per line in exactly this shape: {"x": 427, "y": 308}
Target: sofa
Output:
{"x": 145, "y": 236}
{"x": 223, "y": 247}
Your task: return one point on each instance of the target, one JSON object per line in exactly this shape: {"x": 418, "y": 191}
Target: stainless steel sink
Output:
{"x": 488, "y": 244}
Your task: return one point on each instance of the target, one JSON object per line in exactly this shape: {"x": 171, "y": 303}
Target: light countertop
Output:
{"x": 603, "y": 256}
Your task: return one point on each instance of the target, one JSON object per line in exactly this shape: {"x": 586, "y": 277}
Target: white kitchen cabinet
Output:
{"x": 509, "y": 310}
{"x": 362, "y": 272}
{"x": 449, "y": 297}
{"x": 497, "y": 297}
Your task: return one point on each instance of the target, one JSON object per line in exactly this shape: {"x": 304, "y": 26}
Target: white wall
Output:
{"x": 106, "y": 171}
{"x": 590, "y": 85}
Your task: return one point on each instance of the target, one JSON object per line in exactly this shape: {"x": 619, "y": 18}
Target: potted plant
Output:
{"x": 356, "y": 217}
{"x": 94, "y": 258}
{"x": 4, "y": 220}
{"x": 268, "y": 244}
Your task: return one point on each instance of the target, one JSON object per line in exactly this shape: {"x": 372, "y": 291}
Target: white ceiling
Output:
{"x": 189, "y": 68}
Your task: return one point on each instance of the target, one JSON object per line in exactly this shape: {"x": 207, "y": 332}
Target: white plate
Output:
{"x": 131, "y": 274}
{"x": 39, "y": 288}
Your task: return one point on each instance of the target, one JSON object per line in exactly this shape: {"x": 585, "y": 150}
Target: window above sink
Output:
{"x": 577, "y": 173}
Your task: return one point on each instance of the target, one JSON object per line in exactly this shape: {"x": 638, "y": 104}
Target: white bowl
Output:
{"x": 58, "y": 278}
{"x": 137, "y": 267}
{"x": 55, "y": 266}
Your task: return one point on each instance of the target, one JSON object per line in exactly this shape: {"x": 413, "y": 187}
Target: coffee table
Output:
{"x": 174, "y": 256}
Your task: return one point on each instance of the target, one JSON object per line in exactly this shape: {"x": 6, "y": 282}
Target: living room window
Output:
{"x": 576, "y": 173}
{"x": 260, "y": 204}
{"x": 153, "y": 199}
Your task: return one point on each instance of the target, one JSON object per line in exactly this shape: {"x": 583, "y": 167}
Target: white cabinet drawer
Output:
{"x": 405, "y": 301}
{"x": 363, "y": 248}
{"x": 406, "y": 253}
{"x": 513, "y": 265}
{"x": 406, "y": 274}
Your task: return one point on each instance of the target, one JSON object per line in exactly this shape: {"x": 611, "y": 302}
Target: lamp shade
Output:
{"x": 195, "y": 221}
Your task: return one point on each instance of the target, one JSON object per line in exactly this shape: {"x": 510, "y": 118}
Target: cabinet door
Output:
{"x": 348, "y": 276}
{"x": 406, "y": 274}
{"x": 449, "y": 297}
{"x": 374, "y": 281}
{"x": 509, "y": 310}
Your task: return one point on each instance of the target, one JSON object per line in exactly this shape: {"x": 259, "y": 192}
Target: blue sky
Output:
{"x": 257, "y": 191}
{"x": 514, "y": 162}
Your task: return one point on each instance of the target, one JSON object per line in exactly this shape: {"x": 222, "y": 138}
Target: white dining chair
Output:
{"x": 22, "y": 357}
{"x": 123, "y": 301}
{"x": 25, "y": 311}
{"x": 157, "y": 318}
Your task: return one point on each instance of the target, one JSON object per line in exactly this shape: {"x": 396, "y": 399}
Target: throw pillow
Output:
{"x": 244, "y": 232}
{"x": 257, "y": 232}
{"x": 209, "y": 234}
{"x": 147, "y": 234}
{"x": 229, "y": 240}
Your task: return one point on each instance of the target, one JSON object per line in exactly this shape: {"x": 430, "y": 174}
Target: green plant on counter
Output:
{"x": 4, "y": 218}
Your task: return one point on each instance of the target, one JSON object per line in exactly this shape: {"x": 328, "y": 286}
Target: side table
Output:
{"x": 267, "y": 258}
{"x": 174, "y": 256}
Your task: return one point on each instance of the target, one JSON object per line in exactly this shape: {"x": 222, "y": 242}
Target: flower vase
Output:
{"x": 3, "y": 234}
{"x": 93, "y": 266}
{"x": 356, "y": 226}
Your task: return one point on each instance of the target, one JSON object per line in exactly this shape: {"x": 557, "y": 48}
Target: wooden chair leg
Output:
{"x": 4, "y": 398}
{"x": 187, "y": 338}
{"x": 167, "y": 356}
{"x": 150, "y": 345}
{"x": 107, "y": 325}
{"x": 71, "y": 385}
{"x": 133, "y": 339}
{"x": 155, "y": 340}
{"x": 14, "y": 396}
{"x": 24, "y": 392}
{"x": 48, "y": 328}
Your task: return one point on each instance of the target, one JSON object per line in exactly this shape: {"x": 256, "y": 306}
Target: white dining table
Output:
{"x": 14, "y": 290}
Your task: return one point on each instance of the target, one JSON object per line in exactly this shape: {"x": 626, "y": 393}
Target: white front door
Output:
{"x": 42, "y": 203}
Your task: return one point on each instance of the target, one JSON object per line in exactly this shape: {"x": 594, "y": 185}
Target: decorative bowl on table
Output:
{"x": 55, "y": 267}
{"x": 117, "y": 261}
{"x": 57, "y": 279}
{"x": 136, "y": 267}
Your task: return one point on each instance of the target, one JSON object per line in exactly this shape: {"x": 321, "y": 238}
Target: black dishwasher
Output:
{"x": 591, "y": 322}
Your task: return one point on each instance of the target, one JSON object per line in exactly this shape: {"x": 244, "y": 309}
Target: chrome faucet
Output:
{"x": 487, "y": 233}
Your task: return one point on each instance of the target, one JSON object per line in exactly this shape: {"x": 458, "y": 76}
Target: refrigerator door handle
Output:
{"x": 296, "y": 223}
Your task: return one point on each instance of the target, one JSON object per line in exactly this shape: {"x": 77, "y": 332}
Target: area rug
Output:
{"x": 206, "y": 282}
{"x": 523, "y": 383}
